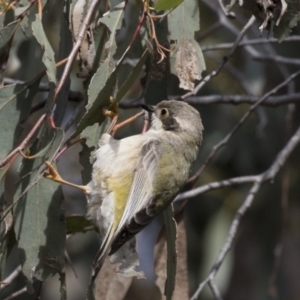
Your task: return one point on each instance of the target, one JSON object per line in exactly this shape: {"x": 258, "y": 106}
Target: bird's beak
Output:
{"x": 148, "y": 108}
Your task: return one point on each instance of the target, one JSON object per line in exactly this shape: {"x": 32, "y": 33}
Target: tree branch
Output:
{"x": 225, "y": 46}
{"x": 257, "y": 182}
{"x": 76, "y": 47}
{"x": 225, "y": 140}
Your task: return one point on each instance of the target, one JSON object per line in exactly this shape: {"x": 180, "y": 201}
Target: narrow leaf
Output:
{"x": 171, "y": 234}
{"x": 132, "y": 77}
{"x": 167, "y": 4}
{"x": 78, "y": 223}
{"x": 48, "y": 55}
{"x": 7, "y": 33}
{"x": 39, "y": 220}
{"x": 103, "y": 82}
{"x": 15, "y": 103}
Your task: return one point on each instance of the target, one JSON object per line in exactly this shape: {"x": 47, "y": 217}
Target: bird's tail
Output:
{"x": 100, "y": 258}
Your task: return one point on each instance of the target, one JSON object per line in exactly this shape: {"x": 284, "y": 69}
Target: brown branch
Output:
{"x": 75, "y": 49}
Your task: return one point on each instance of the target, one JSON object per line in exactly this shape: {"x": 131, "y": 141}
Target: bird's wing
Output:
{"x": 138, "y": 212}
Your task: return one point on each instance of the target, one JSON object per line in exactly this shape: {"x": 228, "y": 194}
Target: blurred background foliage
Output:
{"x": 265, "y": 257}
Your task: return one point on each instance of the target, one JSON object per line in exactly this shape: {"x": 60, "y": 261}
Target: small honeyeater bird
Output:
{"x": 136, "y": 178}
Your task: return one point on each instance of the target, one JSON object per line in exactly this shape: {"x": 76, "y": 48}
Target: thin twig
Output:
{"x": 68, "y": 259}
{"x": 240, "y": 99}
{"x": 229, "y": 25}
{"x": 208, "y": 31}
{"x": 230, "y": 237}
{"x": 24, "y": 143}
{"x": 127, "y": 121}
{"x": 278, "y": 59}
{"x": 223, "y": 62}
{"x": 225, "y": 140}
{"x": 269, "y": 174}
{"x": 10, "y": 278}
{"x": 227, "y": 13}
{"x": 17, "y": 293}
{"x": 225, "y": 46}
{"x": 214, "y": 289}
{"x": 75, "y": 48}
{"x": 214, "y": 186}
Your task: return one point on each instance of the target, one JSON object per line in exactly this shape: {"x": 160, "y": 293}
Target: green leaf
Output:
{"x": 7, "y": 33}
{"x": 167, "y": 4}
{"x": 65, "y": 48}
{"x": 92, "y": 134}
{"x": 78, "y": 223}
{"x": 103, "y": 82}
{"x": 15, "y": 103}
{"x": 39, "y": 220}
{"x": 48, "y": 55}
{"x": 132, "y": 77}
{"x": 171, "y": 234}
{"x": 113, "y": 21}
{"x": 186, "y": 59}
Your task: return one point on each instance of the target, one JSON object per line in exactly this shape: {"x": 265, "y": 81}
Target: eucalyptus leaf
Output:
{"x": 39, "y": 220}
{"x": 78, "y": 223}
{"x": 92, "y": 135}
{"x": 167, "y": 4}
{"x": 7, "y": 33}
{"x": 15, "y": 103}
{"x": 103, "y": 82}
{"x": 65, "y": 47}
{"x": 132, "y": 77}
{"x": 48, "y": 55}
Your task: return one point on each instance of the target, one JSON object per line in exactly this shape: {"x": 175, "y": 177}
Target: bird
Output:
{"x": 135, "y": 178}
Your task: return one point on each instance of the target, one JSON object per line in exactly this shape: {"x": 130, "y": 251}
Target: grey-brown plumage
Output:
{"x": 136, "y": 178}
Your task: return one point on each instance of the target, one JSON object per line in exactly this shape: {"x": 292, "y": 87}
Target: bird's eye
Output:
{"x": 164, "y": 112}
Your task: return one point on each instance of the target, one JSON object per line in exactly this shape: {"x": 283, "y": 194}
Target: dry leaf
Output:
{"x": 187, "y": 65}
{"x": 111, "y": 285}
{"x": 128, "y": 260}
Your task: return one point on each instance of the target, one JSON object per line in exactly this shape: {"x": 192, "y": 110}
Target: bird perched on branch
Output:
{"x": 136, "y": 178}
